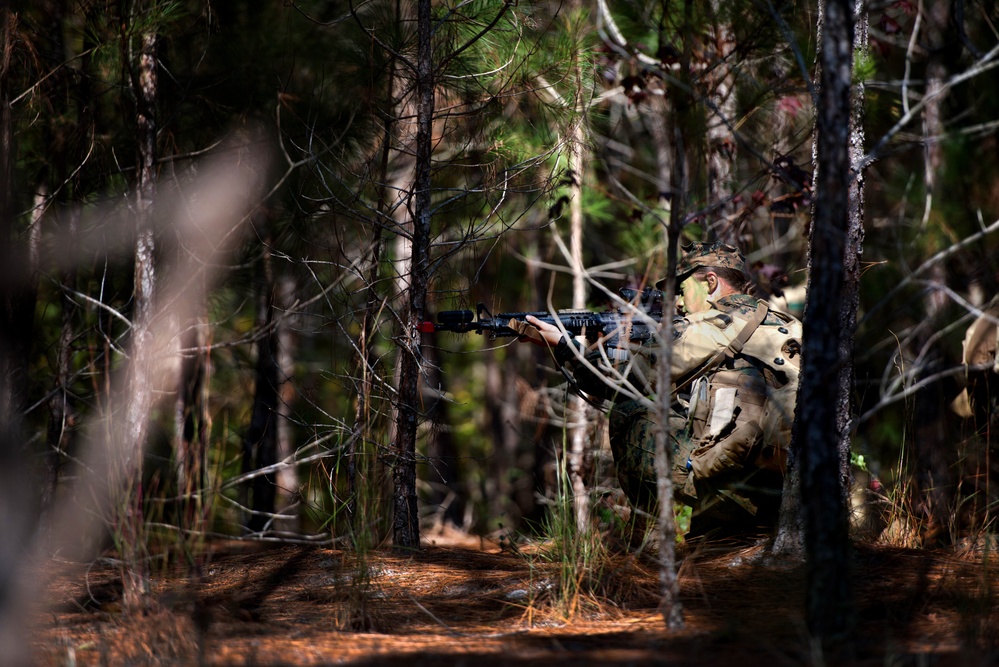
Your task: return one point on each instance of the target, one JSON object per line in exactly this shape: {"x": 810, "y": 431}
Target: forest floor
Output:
{"x": 466, "y": 601}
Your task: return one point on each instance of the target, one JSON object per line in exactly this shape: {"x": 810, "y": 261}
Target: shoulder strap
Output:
{"x": 755, "y": 320}
{"x": 739, "y": 342}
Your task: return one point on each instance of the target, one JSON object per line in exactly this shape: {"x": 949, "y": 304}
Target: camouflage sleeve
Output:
{"x": 603, "y": 372}
{"x": 696, "y": 339}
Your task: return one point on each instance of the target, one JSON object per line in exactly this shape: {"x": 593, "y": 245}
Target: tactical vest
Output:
{"x": 742, "y": 405}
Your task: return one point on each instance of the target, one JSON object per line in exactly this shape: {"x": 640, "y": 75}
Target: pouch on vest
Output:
{"x": 697, "y": 412}
{"x": 728, "y": 454}
{"x": 722, "y": 410}
{"x": 733, "y": 433}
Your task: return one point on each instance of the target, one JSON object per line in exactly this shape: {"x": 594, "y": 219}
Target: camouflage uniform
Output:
{"x": 733, "y": 437}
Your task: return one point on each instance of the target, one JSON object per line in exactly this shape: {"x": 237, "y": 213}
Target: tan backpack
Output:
{"x": 777, "y": 349}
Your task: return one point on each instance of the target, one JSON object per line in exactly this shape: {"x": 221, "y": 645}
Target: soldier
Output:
{"x": 735, "y": 372}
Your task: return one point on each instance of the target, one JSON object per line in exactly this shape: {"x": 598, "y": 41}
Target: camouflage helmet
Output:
{"x": 713, "y": 255}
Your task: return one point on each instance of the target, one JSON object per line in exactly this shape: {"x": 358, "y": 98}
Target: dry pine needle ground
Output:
{"x": 466, "y": 604}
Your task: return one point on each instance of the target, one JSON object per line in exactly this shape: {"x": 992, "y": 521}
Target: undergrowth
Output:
{"x": 576, "y": 571}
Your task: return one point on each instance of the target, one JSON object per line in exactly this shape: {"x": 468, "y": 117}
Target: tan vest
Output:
{"x": 741, "y": 412}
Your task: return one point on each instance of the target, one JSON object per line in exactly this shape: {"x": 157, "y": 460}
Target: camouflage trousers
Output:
{"x": 718, "y": 505}
{"x": 633, "y": 440}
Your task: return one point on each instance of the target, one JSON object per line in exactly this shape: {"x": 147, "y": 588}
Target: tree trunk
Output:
{"x": 578, "y": 418}
{"x": 790, "y": 537}
{"x": 442, "y": 451}
{"x": 130, "y": 520}
{"x": 679, "y": 124}
{"x": 67, "y": 148}
{"x": 937, "y": 17}
{"x": 19, "y": 272}
{"x": 721, "y": 142}
{"x": 935, "y": 484}
{"x": 286, "y": 479}
{"x": 260, "y": 443}
{"x": 825, "y": 519}
{"x": 853, "y": 250}
{"x": 191, "y": 424}
{"x": 406, "y": 528}
{"x": 16, "y": 488}
{"x": 61, "y": 408}
{"x": 363, "y": 408}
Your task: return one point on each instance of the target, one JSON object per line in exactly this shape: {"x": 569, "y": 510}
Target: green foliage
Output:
{"x": 157, "y": 17}
{"x": 864, "y": 66}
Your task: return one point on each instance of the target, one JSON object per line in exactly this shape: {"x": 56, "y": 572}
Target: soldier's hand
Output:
{"x": 549, "y": 332}
{"x": 535, "y": 331}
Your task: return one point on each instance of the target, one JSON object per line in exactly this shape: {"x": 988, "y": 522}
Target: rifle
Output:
{"x": 608, "y": 325}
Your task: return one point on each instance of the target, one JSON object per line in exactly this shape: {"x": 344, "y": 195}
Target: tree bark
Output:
{"x": 938, "y": 18}
{"x": 191, "y": 424}
{"x": 18, "y": 276}
{"x": 442, "y": 451}
{"x": 16, "y": 488}
{"x": 130, "y": 519}
{"x": 61, "y": 408}
{"x": 577, "y": 412}
{"x": 68, "y": 146}
{"x": 260, "y": 443}
{"x": 826, "y": 544}
{"x": 406, "y": 528}
{"x": 935, "y": 481}
{"x": 671, "y": 607}
{"x": 721, "y": 143}
{"x": 287, "y": 479}
{"x": 853, "y": 250}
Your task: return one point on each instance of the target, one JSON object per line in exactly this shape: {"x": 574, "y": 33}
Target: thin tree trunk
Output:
{"x": 934, "y": 478}
{"x": 260, "y": 443}
{"x": 502, "y": 419}
{"x": 790, "y": 536}
{"x": 16, "y": 488}
{"x": 406, "y": 528}
{"x": 61, "y": 409}
{"x": 825, "y": 519}
{"x": 721, "y": 143}
{"x": 937, "y": 16}
{"x": 671, "y": 607}
{"x": 10, "y": 278}
{"x": 442, "y": 452}
{"x": 19, "y": 271}
{"x": 577, "y": 412}
{"x": 363, "y": 411}
{"x": 130, "y": 521}
{"x": 191, "y": 424}
{"x": 854, "y": 247}
{"x": 286, "y": 479}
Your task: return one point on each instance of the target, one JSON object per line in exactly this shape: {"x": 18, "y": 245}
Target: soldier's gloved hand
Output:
{"x": 536, "y": 331}
{"x": 526, "y": 333}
